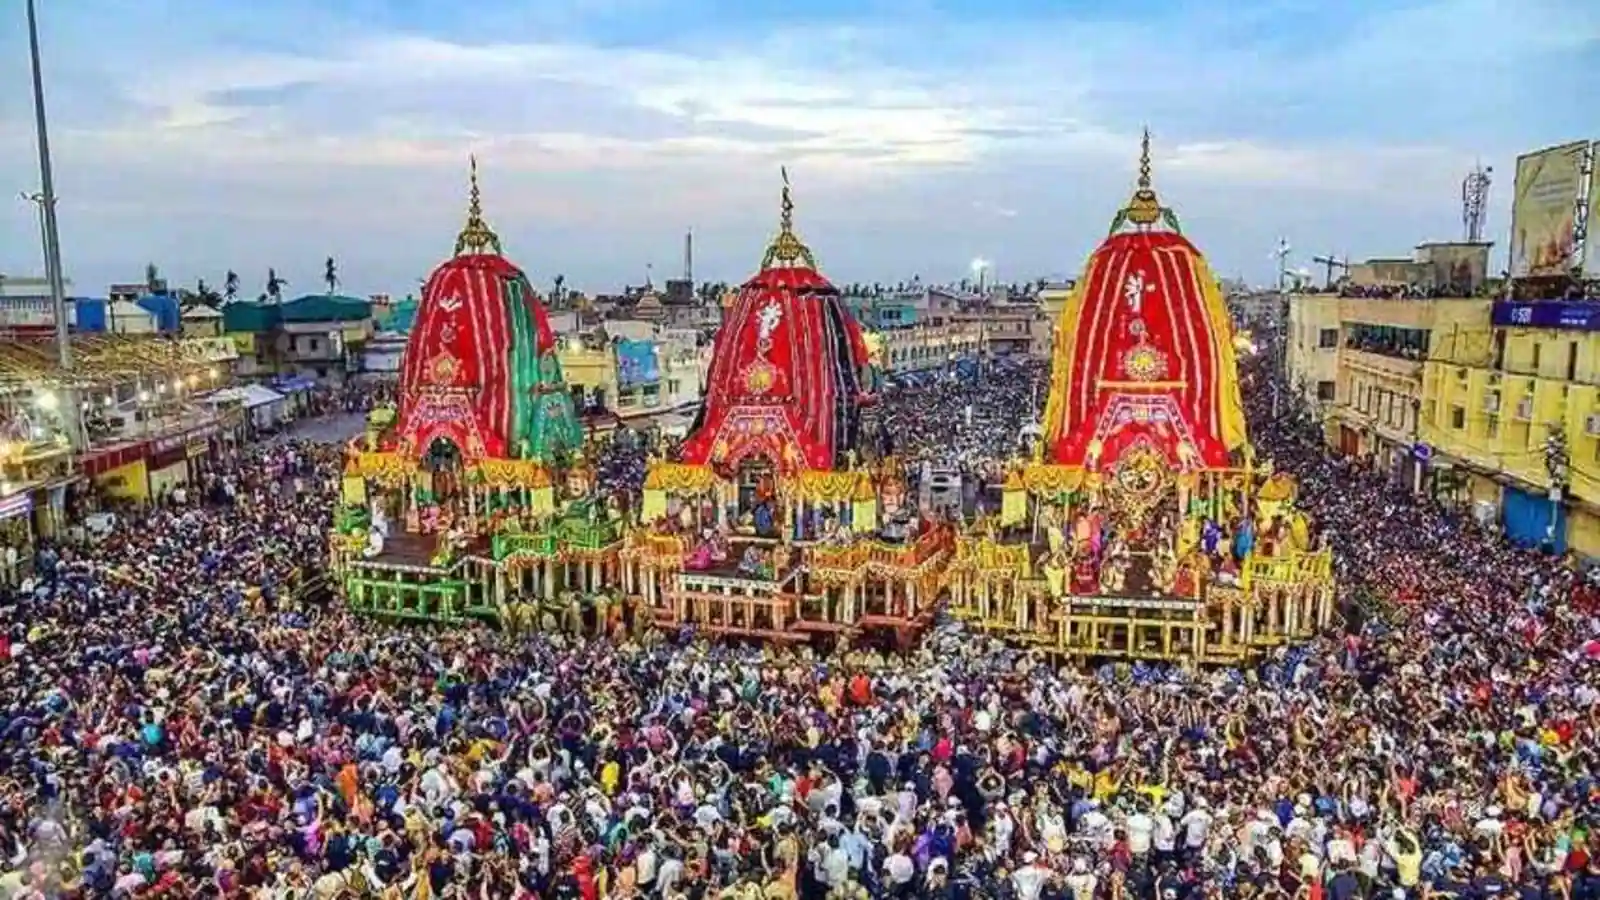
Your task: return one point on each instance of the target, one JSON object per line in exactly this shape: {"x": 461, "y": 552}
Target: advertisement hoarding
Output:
{"x": 636, "y": 363}
{"x": 1544, "y": 210}
{"x": 1591, "y": 246}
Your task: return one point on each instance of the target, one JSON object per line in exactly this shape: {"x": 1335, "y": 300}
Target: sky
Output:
{"x": 208, "y": 135}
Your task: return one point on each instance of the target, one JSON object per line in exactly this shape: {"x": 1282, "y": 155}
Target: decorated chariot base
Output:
{"x": 1143, "y": 527}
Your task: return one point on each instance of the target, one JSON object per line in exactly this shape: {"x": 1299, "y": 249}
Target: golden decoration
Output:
{"x": 680, "y": 478}
{"x": 476, "y": 237}
{"x": 1144, "y": 363}
{"x": 1048, "y": 479}
{"x": 760, "y": 377}
{"x": 381, "y": 466}
{"x": 1144, "y": 209}
{"x": 444, "y": 368}
{"x": 513, "y": 473}
{"x": 786, "y": 250}
{"x": 823, "y": 486}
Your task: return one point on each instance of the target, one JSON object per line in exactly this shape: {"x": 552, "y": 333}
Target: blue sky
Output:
{"x": 205, "y": 135}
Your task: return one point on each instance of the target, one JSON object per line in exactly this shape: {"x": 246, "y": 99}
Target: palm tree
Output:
{"x": 230, "y": 286}
{"x": 205, "y": 295}
{"x": 274, "y": 286}
{"x": 153, "y": 284}
{"x": 555, "y": 294}
{"x": 330, "y": 275}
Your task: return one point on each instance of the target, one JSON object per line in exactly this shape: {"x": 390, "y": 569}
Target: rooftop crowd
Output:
{"x": 173, "y": 724}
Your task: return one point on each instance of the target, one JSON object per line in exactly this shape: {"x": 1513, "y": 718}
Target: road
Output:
{"x": 331, "y": 429}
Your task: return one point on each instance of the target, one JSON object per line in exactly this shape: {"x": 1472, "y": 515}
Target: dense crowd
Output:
{"x": 174, "y": 724}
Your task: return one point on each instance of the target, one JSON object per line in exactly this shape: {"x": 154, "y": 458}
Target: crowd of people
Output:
{"x": 175, "y": 723}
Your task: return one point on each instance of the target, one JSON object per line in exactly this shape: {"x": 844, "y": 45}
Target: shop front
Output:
{"x": 1534, "y": 518}
{"x": 176, "y": 461}
{"x": 120, "y": 472}
{"x": 16, "y": 537}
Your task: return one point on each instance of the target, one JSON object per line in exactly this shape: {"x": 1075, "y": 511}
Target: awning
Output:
{"x": 249, "y": 396}
{"x": 256, "y": 395}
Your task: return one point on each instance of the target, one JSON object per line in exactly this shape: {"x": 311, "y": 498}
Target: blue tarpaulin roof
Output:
{"x": 165, "y": 308}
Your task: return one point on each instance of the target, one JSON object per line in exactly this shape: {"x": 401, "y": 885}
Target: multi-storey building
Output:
{"x": 1360, "y": 362}
{"x": 1505, "y": 405}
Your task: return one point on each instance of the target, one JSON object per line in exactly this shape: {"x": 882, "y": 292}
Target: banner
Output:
{"x": 1543, "y": 207}
{"x": 636, "y": 363}
{"x": 1574, "y": 315}
{"x": 1591, "y": 246}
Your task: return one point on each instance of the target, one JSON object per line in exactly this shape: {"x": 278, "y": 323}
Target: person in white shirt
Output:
{"x": 669, "y": 874}
{"x": 1030, "y": 879}
{"x": 1196, "y": 825}
{"x": 1082, "y": 882}
{"x": 1164, "y": 836}
{"x": 899, "y": 868}
{"x": 1139, "y": 827}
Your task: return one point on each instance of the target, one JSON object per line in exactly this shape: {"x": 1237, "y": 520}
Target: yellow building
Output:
{"x": 1360, "y": 361}
{"x": 916, "y": 348}
{"x": 1493, "y": 405}
{"x": 1312, "y": 351}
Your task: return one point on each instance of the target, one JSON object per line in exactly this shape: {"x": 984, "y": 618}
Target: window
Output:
{"x": 1534, "y": 362}
{"x": 1328, "y": 338}
{"x": 1572, "y": 360}
{"x": 1325, "y": 391}
{"x": 1492, "y": 426}
{"x": 1458, "y": 417}
{"x": 1499, "y": 350}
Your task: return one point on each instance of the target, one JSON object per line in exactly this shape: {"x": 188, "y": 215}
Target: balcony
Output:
{"x": 1387, "y": 362}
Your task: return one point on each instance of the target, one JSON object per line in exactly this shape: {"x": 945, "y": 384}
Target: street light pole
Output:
{"x": 47, "y": 201}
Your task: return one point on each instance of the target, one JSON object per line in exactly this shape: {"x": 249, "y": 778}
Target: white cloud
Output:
{"x": 890, "y": 128}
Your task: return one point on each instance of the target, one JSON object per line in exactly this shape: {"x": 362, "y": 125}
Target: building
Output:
{"x": 1053, "y": 296}
{"x": 920, "y": 348}
{"x": 25, "y": 302}
{"x": 1495, "y": 405}
{"x": 1459, "y": 268}
{"x": 1007, "y": 328}
{"x": 316, "y": 336}
{"x": 636, "y": 371}
{"x": 1378, "y": 395}
{"x": 881, "y": 312}
{"x": 1311, "y": 353}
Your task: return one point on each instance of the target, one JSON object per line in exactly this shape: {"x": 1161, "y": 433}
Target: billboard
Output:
{"x": 636, "y": 363}
{"x": 1591, "y": 245}
{"x": 1543, "y": 210}
{"x": 1575, "y": 315}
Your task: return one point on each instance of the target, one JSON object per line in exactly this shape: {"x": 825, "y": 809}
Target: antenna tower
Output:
{"x": 1329, "y": 263}
{"x": 1475, "y": 203}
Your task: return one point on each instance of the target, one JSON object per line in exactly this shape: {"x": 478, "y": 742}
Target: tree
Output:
{"x": 153, "y": 283}
{"x": 204, "y": 295}
{"x": 556, "y": 295}
{"x": 275, "y": 286}
{"x": 230, "y": 286}
{"x": 330, "y": 275}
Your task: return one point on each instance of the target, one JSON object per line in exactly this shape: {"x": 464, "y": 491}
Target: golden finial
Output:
{"x": 1144, "y": 160}
{"x": 476, "y": 237}
{"x": 786, "y": 249}
{"x": 1144, "y": 209}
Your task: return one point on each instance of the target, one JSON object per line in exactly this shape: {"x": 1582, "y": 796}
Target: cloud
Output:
{"x": 271, "y": 138}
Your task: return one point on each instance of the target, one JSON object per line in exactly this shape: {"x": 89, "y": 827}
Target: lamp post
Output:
{"x": 47, "y": 200}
